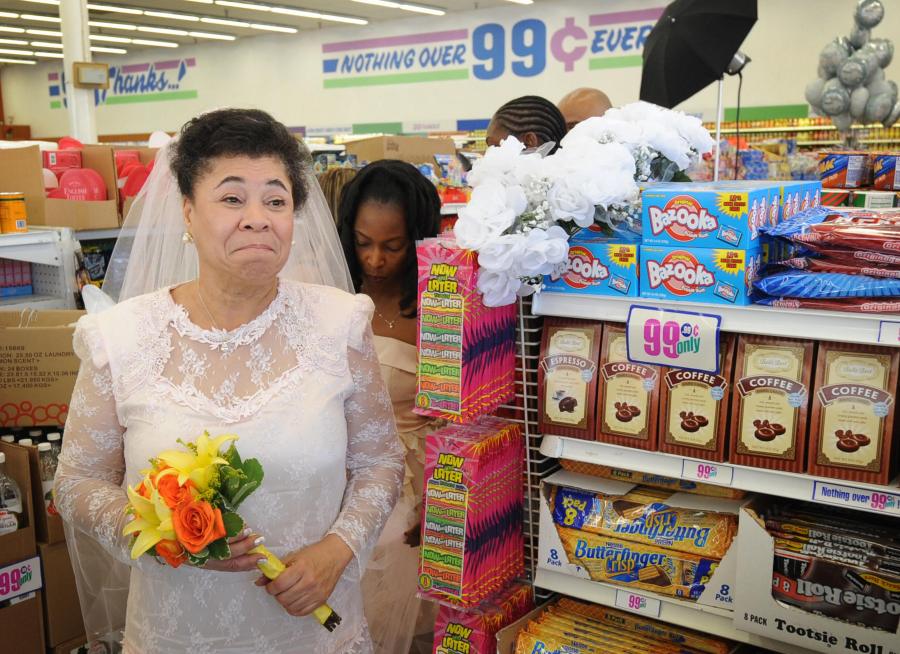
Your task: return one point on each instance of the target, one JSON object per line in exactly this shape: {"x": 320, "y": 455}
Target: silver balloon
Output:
{"x": 858, "y": 100}
{"x": 893, "y": 115}
{"x": 883, "y": 49}
{"x": 877, "y": 76}
{"x": 880, "y": 103}
{"x": 814, "y": 92}
{"x": 869, "y": 13}
{"x": 854, "y": 72}
{"x": 842, "y": 122}
{"x": 831, "y": 58}
{"x": 835, "y": 97}
{"x": 859, "y": 36}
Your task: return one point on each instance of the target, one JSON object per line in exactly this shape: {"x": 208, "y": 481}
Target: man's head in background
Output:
{"x": 582, "y": 104}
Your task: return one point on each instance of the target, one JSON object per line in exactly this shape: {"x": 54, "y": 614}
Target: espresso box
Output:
{"x": 699, "y": 274}
{"x": 707, "y": 214}
{"x": 597, "y": 266}
{"x": 694, "y": 414}
{"x": 567, "y": 377}
{"x": 770, "y": 401}
{"x": 628, "y": 394}
{"x": 853, "y": 431}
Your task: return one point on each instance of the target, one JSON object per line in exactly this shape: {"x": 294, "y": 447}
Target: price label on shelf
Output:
{"x": 20, "y": 578}
{"x": 666, "y": 337}
{"x": 706, "y": 472}
{"x": 866, "y": 499}
{"x": 636, "y": 603}
{"x": 889, "y": 332}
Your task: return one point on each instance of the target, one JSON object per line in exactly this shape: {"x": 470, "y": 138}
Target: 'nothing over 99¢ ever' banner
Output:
{"x": 520, "y": 48}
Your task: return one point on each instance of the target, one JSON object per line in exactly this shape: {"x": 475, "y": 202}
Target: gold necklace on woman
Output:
{"x": 390, "y": 323}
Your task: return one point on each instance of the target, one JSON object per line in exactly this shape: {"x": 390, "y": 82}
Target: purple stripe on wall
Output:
{"x": 625, "y": 16}
{"x": 190, "y": 62}
{"x": 167, "y": 65}
{"x": 53, "y": 77}
{"x": 135, "y": 68}
{"x": 409, "y": 39}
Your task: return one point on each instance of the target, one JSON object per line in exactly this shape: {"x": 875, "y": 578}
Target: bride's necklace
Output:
{"x": 206, "y": 309}
{"x": 390, "y": 323}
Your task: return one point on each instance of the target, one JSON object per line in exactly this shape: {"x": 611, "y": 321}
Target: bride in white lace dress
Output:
{"x": 289, "y": 367}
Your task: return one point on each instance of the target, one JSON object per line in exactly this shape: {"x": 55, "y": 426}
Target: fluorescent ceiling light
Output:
{"x": 12, "y": 51}
{"x": 115, "y": 9}
{"x": 315, "y": 15}
{"x": 201, "y": 2}
{"x": 171, "y": 15}
{"x": 49, "y": 55}
{"x": 109, "y": 39}
{"x": 17, "y": 61}
{"x": 40, "y": 18}
{"x": 47, "y": 44}
{"x": 97, "y": 48}
{"x": 12, "y": 30}
{"x": 405, "y": 6}
{"x": 43, "y": 2}
{"x": 522, "y": 2}
{"x": 158, "y": 44}
{"x": 13, "y": 41}
{"x": 8, "y": 14}
{"x": 162, "y": 30}
{"x": 273, "y": 28}
{"x": 112, "y": 26}
{"x": 224, "y": 21}
{"x": 210, "y": 35}
{"x": 45, "y": 33}
{"x": 243, "y": 5}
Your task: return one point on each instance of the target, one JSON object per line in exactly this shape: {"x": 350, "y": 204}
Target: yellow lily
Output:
{"x": 152, "y": 518}
{"x": 200, "y": 466}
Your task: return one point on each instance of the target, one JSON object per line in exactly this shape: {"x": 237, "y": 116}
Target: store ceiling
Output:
{"x": 31, "y": 26}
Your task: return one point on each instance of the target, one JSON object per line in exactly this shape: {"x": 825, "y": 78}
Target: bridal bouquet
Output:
{"x": 525, "y": 206}
{"x": 185, "y": 508}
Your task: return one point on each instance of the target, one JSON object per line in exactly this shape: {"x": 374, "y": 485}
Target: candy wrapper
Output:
{"x": 466, "y": 350}
{"x": 789, "y": 283}
{"x": 849, "y": 305}
{"x": 474, "y": 631}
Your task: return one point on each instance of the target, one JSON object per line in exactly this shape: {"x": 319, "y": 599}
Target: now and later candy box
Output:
{"x": 721, "y": 276}
{"x": 597, "y": 266}
{"x": 708, "y": 215}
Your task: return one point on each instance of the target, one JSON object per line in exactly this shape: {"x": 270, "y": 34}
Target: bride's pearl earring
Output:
{"x": 187, "y": 237}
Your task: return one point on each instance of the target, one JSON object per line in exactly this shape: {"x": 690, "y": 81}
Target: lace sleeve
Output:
{"x": 88, "y": 483}
{"x": 374, "y": 452}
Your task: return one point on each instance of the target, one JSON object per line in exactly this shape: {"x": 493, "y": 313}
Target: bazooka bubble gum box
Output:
{"x": 597, "y": 266}
{"x": 708, "y": 215}
{"x": 723, "y": 276}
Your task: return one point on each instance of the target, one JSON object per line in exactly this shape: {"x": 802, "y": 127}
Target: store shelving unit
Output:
{"x": 452, "y": 208}
{"x": 97, "y": 234}
{"x": 51, "y": 252}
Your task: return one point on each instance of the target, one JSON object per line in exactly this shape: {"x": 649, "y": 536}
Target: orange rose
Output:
{"x": 173, "y": 494}
{"x": 197, "y": 524}
{"x": 172, "y": 552}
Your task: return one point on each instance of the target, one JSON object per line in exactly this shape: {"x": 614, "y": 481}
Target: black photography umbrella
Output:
{"x": 691, "y": 46}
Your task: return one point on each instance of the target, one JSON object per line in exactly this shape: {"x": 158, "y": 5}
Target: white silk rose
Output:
{"x": 567, "y": 202}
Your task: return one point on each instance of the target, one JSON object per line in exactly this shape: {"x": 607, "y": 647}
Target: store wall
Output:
{"x": 463, "y": 66}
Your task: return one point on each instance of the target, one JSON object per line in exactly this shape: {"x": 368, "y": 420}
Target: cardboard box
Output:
{"x": 873, "y": 199}
{"x": 414, "y": 149}
{"x": 707, "y": 214}
{"x": 597, "y": 266}
{"x": 849, "y": 169}
{"x": 506, "y": 637}
{"x": 699, "y": 274}
{"x": 756, "y": 611}
{"x": 22, "y": 626}
{"x": 719, "y": 590}
{"x": 37, "y": 367}
{"x": 73, "y": 646}
{"x": 886, "y": 171}
{"x": 20, "y": 544}
{"x": 21, "y": 170}
{"x": 48, "y": 527}
{"x": 62, "y": 612}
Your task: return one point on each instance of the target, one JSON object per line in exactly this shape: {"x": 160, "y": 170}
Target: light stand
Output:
{"x": 737, "y": 64}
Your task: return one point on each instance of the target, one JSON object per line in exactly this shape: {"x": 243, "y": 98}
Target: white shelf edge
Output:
{"x": 753, "y": 319}
{"x": 717, "y": 622}
{"x": 789, "y": 485}
{"x": 31, "y": 237}
{"x": 21, "y": 302}
{"x": 96, "y": 234}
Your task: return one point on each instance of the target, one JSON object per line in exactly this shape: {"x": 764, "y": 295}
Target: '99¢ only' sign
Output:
{"x": 680, "y": 339}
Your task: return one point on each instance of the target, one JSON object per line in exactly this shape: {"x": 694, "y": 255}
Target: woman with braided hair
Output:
{"x": 531, "y": 119}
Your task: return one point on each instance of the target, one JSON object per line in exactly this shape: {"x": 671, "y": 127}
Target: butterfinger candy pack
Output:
{"x": 633, "y": 565}
{"x": 643, "y": 516}
{"x": 853, "y": 433}
{"x": 772, "y": 383}
{"x": 694, "y": 415}
{"x": 628, "y": 396}
{"x": 568, "y": 377}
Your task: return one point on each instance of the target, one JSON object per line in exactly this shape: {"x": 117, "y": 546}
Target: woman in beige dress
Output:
{"x": 383, "y": 212}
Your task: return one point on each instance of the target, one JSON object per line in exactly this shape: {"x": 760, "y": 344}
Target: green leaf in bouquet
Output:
{"x": 198, "y": 559}
{"x": 218, "y": 549}
{"x": 233, "y": 458}
{"x": 253, "y": 470}
{"x": 233, "y": 523}
{"x": 243, "y": 492}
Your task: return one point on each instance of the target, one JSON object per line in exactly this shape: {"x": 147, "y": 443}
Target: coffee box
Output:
{"x": 628, "y": 394}
{"x": 597, "y": 266}
{"x": 769, "y": 402}
{"x": 853, "y": 433}
{"x": 568, "y": 376}
{"x": 694, "y": 408}
{"x": 699, "y": 274}
{"x": 706, "y": 214}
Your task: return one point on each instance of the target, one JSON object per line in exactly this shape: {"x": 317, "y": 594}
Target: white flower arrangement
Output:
{"x": 524, "y": 206}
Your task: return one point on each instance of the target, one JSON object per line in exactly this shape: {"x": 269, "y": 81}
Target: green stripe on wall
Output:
{"x": 56, "y": 104}
{"x": 627, "y": 61}
{"x": 397, "y": 78}
{"x": 151, "y": 97}
{"x": 378, "y": 128}
{"x": 768, "y": 113}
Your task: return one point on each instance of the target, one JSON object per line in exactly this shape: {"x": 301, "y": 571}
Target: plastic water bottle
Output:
{"x": 55, "y": 440}
{"x": 48, "y": 472}
{"x": 10, "y": 500}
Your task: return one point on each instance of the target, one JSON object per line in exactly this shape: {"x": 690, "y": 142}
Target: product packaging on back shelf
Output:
{"x": 886, "y": 172}
{"x": 597, "y": 265}
{"x": 846, "y": 169}
{"x": 698, "y": 274}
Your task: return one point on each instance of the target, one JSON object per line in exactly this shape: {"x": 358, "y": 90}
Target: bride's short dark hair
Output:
{"x": 233, "y": 133}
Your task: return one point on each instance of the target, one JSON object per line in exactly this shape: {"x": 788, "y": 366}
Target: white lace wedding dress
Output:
{"x": 300, "y": 386}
